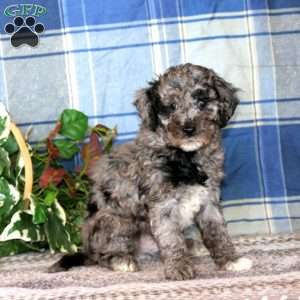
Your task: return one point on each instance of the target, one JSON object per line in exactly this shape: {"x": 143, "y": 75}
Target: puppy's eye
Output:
{"x": 168, "y": 109}
{"x": 201, "y": 104}
{"x": 172, "y": 107}
{"x": 202, "y": 97}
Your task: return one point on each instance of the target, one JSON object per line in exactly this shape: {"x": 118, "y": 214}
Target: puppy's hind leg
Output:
{"x": 217, "y": 240}
{"x": 112, "y": 241}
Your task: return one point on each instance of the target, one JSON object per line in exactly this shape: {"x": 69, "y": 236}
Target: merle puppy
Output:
{"x": 164, "y": 181}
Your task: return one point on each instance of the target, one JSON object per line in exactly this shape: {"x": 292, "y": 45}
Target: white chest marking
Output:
{"x": 189, "y": 204}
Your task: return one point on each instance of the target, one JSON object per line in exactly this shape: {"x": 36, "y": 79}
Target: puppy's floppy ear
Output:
{"x": 228, "y": 100}
{"x": 146, "y": 102}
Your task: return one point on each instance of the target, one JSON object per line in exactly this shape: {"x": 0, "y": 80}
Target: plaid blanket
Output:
{"x": 93, "y": 56}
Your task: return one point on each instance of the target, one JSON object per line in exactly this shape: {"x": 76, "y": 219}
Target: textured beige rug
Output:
{"x": 275, "y": 275}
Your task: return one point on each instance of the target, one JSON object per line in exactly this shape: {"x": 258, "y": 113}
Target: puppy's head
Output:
{"x": 188, "y": 103}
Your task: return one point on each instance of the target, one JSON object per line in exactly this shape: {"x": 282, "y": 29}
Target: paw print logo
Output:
{"x": 24, "y": 31}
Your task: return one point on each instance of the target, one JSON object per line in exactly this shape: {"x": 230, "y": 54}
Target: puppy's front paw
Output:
{"x": 123, "y": 264}
{"x": 181, "y": 269}
{"x": 239, "y": 265}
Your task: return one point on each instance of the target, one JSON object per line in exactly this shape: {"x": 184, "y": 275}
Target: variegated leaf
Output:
{"x": 4, "y": 123}
{"x": 21, "y": 227}
{"x": 57, "y": 234}
{"x": 9, "y": 197}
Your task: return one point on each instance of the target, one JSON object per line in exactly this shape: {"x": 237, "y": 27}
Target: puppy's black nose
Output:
{"x": 189, "y": 129}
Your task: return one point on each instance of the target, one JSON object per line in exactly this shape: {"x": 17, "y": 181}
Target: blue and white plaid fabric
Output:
{"x": 94, "y": 55}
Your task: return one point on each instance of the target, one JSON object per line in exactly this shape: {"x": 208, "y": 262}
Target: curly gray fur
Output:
{"x": 167, "y": 179}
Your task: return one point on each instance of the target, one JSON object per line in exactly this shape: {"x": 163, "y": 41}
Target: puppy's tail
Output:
{"x": 68, "y": 261}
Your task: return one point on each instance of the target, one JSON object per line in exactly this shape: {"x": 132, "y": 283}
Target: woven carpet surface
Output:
{"x": 275, "y": 275}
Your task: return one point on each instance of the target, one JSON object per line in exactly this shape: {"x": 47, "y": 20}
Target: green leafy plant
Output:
{"x": 57, "y": 204}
